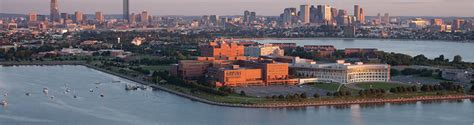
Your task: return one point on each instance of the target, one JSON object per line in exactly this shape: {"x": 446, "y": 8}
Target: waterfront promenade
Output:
{"x": 267, "y": 105}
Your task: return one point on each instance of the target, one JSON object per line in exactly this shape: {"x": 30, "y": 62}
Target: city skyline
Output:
{"x": 234, "y": 7}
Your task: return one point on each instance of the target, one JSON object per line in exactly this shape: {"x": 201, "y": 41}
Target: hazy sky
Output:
{"x": 234, "y": 7}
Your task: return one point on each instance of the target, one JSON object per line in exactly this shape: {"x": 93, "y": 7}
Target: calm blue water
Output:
{"x": 430, "y": 49}
{"x": 146, "y": 107}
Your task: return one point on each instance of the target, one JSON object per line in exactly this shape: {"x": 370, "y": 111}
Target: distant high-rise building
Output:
{"x": 65, "y": 16}
{"x": 289, "y": 15}
{"x": 144, "y": 17}
{"x": 99, "y": 16}
{"x": 78, "y": 17}
{"x": 32, "y": 17}
{"x": 342, "y": 18}
{"x": 133, "y": 18}
{"x": 457, "y": 25}
{"x": 54, "y": 14}
{"x": 126, "y": 10}
{"x": 359, "y": 14}
{"x": 334, "y": 13}
{"x": 214, "y": 19}
{"x": 313, "y": 11}
{"x": 357, "y": 11}
{"x": 304, "y": 14}
{"x": 327, "y": 14}
{"x": 437, "y": 21}
{"x": 253, "y": 17}
{"x": 362, "y": 16}
{"x": 246, "y": 16}
{"x": 386, "y": 19}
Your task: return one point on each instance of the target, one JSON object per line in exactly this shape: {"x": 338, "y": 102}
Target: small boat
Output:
{"x": 97, "y": 83}
{"x": 4, "y": 103}
{"x": 74, "y": 96}
{"x": 52, "y": 97}
{"x": 68, "y": 90}
{"x": 45, "y": 91}
{"x": 130, "y": 87}
{"x": 27, "y": 94}
{"x": 102, "y": 95}
{"x": 91, "y": 90}
{"x": 143, "y": 87}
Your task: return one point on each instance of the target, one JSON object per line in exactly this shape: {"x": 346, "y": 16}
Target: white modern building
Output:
{"x": 264, "y": 50}
{"x": 341, "y": 72}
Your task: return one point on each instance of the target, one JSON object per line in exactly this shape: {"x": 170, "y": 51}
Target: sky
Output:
{"x": 236, "y": 7}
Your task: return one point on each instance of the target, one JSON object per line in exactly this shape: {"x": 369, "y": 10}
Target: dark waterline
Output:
{"x": 156, "y": 107}
{"x": 430, "y": 49}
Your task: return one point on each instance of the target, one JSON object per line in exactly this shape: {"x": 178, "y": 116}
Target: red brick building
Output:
{"x": 221, "y": 49}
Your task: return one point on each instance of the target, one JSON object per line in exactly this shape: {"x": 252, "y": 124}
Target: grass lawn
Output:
{"x": 380, "y": 85}
{"x": 156, "y": 67}
{"x": 332, "y": 87}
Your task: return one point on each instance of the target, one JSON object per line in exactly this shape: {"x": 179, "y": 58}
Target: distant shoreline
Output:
{"x": 341, "y": 38}
{"x": 270, "y": 105}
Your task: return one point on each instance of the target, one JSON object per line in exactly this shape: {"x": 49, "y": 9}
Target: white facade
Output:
{"x": 343, "y": 72}
{"x": 327, "y": 14}
{"x": 265, "y": 50}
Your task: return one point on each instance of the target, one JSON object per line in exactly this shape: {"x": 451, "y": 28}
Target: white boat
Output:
{"x": 4, "y": 103}
{"x": 131, "y": 87}
{"x": 45, "y": 91}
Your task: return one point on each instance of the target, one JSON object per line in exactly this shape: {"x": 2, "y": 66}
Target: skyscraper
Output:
{"x": 289, "y": 15}
{"x": 362, "y": 16}
{"x": 304, "y": 14}
{"x": 126, "y": 12}
{"x": 313, "y": 12}
{"x": 144, "y": 17}
{"x": 133, "y": 18}
{"x": 246, "y": 16}
{"x": 33, "y": 17}
{"x": 54, "y": 15}
{"x": 357, "y": 12}
{"x": 99, "y": 16}
{"x": 214, "y": 19}
{"x": 78, "y": 17}
{"x": 65, "y": 16}
{"x": 253, "y": 17}
{"x": 386, "y": 19}
{"x": 327, "y": 13}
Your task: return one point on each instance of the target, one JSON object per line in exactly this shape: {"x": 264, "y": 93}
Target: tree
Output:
{"x": 329, "y": 94}
{"x": 457, "y": 59}
{"x": 303, "y": 95}
{"x": 440, "y": 58}
{"x": 242, "y": 93}
{"x": 316, "y": 95}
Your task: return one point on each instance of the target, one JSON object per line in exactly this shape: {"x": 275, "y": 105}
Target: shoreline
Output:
{"x": 270, "y": 105}
{"x": 342, "y": 38}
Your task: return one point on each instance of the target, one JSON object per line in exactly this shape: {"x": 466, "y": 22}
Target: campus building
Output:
{"x": 321, "y": 50}
{"x": 263, "y": 50}
{"x": 221, "y": 49}
{"x": 236, "y": 76}
{"x": 341, "y": 72}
